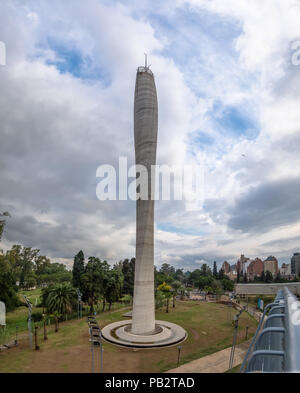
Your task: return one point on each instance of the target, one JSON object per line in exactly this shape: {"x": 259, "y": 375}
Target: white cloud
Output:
{"x": 57, "y": 128}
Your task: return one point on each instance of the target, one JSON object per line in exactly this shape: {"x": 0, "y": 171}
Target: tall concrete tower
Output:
{"x": 143, "y": 331}
{"x": 145, "y": 138}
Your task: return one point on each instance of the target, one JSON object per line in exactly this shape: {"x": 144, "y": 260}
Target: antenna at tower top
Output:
{"x": 146, "y": 60}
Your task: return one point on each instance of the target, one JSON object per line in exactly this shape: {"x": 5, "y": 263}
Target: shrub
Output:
{"x": 37, "y": 317}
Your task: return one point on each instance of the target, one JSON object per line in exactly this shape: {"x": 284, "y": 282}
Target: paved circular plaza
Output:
{"x": 165, "y": 334}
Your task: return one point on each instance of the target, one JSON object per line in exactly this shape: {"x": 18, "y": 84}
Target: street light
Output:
{"x": 79, "y": 307}
{"x": 29, "y": 305}
{"x": 235, "y": 333}
{"x": 16, "y": 340}
{"x": 179, "y": 350}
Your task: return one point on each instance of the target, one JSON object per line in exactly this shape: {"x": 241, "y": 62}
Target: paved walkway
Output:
{"x": 216, "y": 363}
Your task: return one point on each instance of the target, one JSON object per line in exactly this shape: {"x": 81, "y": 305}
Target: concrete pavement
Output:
{"x": 217, "y": 362}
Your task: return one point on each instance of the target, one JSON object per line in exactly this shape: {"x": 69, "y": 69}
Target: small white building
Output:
{"x": 2, "y": 314}
{"x": 285, "y": 269}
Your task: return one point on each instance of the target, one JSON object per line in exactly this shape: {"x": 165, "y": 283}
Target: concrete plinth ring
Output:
{"x": 168, "y": 334}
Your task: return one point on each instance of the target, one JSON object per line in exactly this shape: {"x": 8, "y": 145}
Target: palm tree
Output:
{"x": 56, "y": 315}
{"x": 45, "y": 318}
{"x": 176, "y": 285}
{"x": 167, "y": 291}
{"x": 61, "y": 299}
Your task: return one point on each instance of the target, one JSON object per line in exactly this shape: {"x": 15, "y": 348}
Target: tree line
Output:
{"x": 97, "y": 280}
{"x": 265, "y": 277}
{"x": 23, "y": 268}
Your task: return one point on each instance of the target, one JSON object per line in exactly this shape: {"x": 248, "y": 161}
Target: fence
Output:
{"x": 274, "y": 347}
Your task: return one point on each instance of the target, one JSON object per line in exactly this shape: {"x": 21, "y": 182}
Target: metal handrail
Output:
{"x": 267, "y": 331}
{"x": 292, "y": 337}
{"x": 267, "y": 307}
{"x": 273, "y": 338}
{"x": 276, "y": 302}
{"x": 264, "y": 352}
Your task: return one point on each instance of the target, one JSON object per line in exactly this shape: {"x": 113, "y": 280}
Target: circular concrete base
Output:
{"x": 166, "y": 334}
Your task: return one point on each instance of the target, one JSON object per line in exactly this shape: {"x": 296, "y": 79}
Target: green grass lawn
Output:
{"x": 18, "y": 319}
{"x": 208, "y": 326}
{"x": 234, "y": 370}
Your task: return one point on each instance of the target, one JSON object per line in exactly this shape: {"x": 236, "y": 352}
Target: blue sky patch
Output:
{"x": 183, "y": 231}
{"x": 70, "y": 59}
{"x": 231, "y": 120}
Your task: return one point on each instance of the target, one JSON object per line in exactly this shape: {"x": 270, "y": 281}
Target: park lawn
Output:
{"x": 234, "y": 370}
{"x": 33, "y": 295}
{"x": 17, "y": 319}
{"x": 208, "y": 326}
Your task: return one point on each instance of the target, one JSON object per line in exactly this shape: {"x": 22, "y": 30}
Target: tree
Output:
{"x": 113, "y": 284}
{"x": 278, "y": 278}
{"x": 167, "y": 269}
{"x": 78, "y": 270}
{"x": 45, "y": 319}
{"x": 167, "y": 291}
{"x": 221, "y": 274}
{"x": 2, "y": 223}
{"x": 179, "y": 276}
{"x": 268, "y": 277}
{"x": 205, "y": 270}
{"x": 93, "y": 281}
{"x": 128, "y": 269}
{"x": 56, "y": 315}
{"x": 217, "y": 288}
{"x": 215, "y": 270}
{"x": 8, "y": 289}
{"x": 227, "y": 284}
{"x": 159, "y": 299}
{"x": 176, "y": 286}
{"x": 204, "y": 281}
{"x": 61, "y": 299}
{"x": 194, "y": 277}
{"x": 256, "y": 278}
{"x": 27, "y": 276}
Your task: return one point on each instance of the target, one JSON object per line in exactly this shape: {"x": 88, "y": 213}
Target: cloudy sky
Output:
{"x": 228, "y": 97}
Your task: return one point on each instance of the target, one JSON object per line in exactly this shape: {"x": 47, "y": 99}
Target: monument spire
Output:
{"x": 145, "y": 138}
{"x": 144, "y": 330}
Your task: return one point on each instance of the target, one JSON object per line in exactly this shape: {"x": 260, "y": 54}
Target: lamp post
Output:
{"x": 16, "y": 340}
{"x": 79, "y": 309}
{"x": 247, "y": 328}
{"x": 29, "y": 305}
{"x": 179, "y": 350}
{"x": 235, "y": 333}
{"x": 36, "y": 338}
{"x": 229, "y": 309}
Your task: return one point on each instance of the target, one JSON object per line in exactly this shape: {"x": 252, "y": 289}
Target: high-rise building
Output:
{"x": 241, "y": 264}
{"x": 255, "y": 268}
{"x": 285, "y": 270}
{"x": 271, "y": 265}
{"x": 295, "y": 264}
{"x": 226, "y": 267}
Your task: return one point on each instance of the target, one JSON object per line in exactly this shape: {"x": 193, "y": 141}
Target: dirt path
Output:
{"x": 216, "y": 363}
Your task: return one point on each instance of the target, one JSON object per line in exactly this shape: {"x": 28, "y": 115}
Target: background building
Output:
{"x": 255, "y": 268}
{"x": 240, "y": 265}
{"x": 285, "y": 270}
{"x": 226, "y": 267}
{"x": 295, "y": 264}
{"x": 271, "y": 265}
